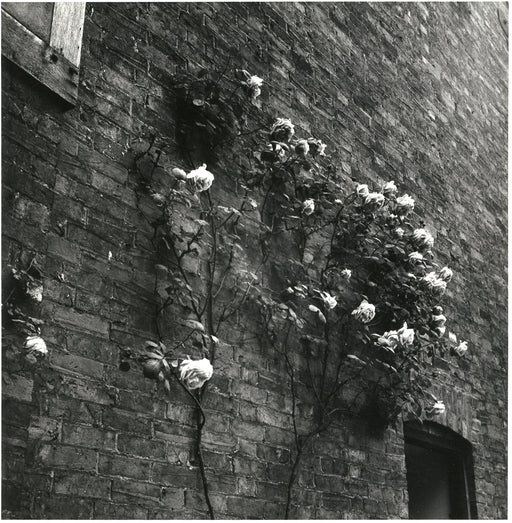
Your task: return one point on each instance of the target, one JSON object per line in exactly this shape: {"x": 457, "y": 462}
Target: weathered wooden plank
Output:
{"x": 67, "y": 29}
{"x": 35, "y": 16}
{"x": 39, "y": 59}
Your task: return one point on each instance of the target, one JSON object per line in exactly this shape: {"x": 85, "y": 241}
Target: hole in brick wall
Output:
{"x": 124, "y": 360}
{"x": 124, "y": 366}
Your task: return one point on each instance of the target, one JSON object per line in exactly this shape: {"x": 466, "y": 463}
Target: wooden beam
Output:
{"x": 35, "y": 16}
{"x": 67, "y": 29}
{"x": 38, "y": 59}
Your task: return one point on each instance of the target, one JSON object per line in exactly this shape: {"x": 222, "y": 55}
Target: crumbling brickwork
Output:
{"x": 412, "y": 92}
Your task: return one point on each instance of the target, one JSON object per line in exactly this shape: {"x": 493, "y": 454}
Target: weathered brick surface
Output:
{"x": 412, "y": 92}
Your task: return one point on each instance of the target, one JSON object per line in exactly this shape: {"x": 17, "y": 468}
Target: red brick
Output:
{"x": 415, "y": 121}
{"x": 18, "y": 387}
{"x": 78, "y": 365}
{"x": 70, "y": 458}
{"x": 126, "y": 421}
{"x": 136, "y": 489}
{"x": 82, "y": 321}
{"x": 175, "y": 475}
{"x": 53, "y": 507}
{"x": 137, "y": 446}
{"x": 91, "y": 437}
{"x": 115, "y": 465}
{"x": 104, "y": 510}
{"x": 82, "y": 485}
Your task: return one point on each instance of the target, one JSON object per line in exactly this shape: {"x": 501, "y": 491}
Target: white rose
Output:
{"x": 375, "y": 199}
{"x": 437, "y": 408}
{"x": 389, "y": 340}
{"x": 316, "y": 146}
{"x": 446, "y": 274}
{"x": 390, "y": 189}
{"x": 362, "y": 190}
{"x": 399, "y": 232}
{"x": 415, "y": 257}
{"x": 438, "y": 320}
{"x": 452, "y": 337}
{"x": 255, "y": 81}
{"x": 35, "y": 291}
{"x": 404, "y": 204}
{"x": 434, "y": 283}
{"x": 440, "y": 331}
{"x": 405, "y": 335}
{"x": 308, "y": 207}
{"x": 179, "y": 173}
{"x": 194, "y": 373}
{"x": 200, "y": 178}
{"x": 302, "y": 147}
{"x": 423, "y": 239}
{"x": 329, "y": 301}
{"x": 462, "y": 348}
{"x": 35, "y": 344}
{"x": 365, "y": 312}
{"x": 346, "y": 274}
{"x": 282, "y": 130}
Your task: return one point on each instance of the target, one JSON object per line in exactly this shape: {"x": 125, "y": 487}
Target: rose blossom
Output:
{"x": 365, "y": 312}
{"x": 282, "y": 130}
{"x": 375, "y": 199}
{"x": 405, "y": 335}
{"x": 440, "y": 331}
{"x": 423, "y": 239}
{"x": 362, "y": 190}
{"x": 404, "y": 204}
{"x": 35, "y": 344}
{"x": 452, "y": 337}
{"x": 254, "y": 83}
{"x": 389, "y": 189}
{"x": 415, "y": 257}
{"x": 329, "y": 301}
{"x": 446, "y": 274}
{"x": 437, "y": 409}
{"x": 346, "y": 273}
{"x": 438, "y": 320}
{"x": 200, "y": 178}
{"x": 302, "y": 147}
{"x": 35, "y": 291}
{"x": 434, "y": 283}
{"x": 389, "y": 340}
{"x": 308, "y": 207}
{"x": 316, "y": 146}
{"x": 194, "y": 373}
{"x": 399, "y": 232}
{"x": 179, "y": 173}
{"x": 437, "y": 323}
{"x": 462, "y": 348}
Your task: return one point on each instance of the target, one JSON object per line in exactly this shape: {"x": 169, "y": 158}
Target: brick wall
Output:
{"x": 411, "y": 92}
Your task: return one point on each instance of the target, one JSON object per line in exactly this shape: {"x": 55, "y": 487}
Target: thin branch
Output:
{"x": 201, "y": 419}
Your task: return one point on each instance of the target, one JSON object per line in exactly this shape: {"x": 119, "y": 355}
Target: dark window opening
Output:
{"x": 440, "y": 477}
